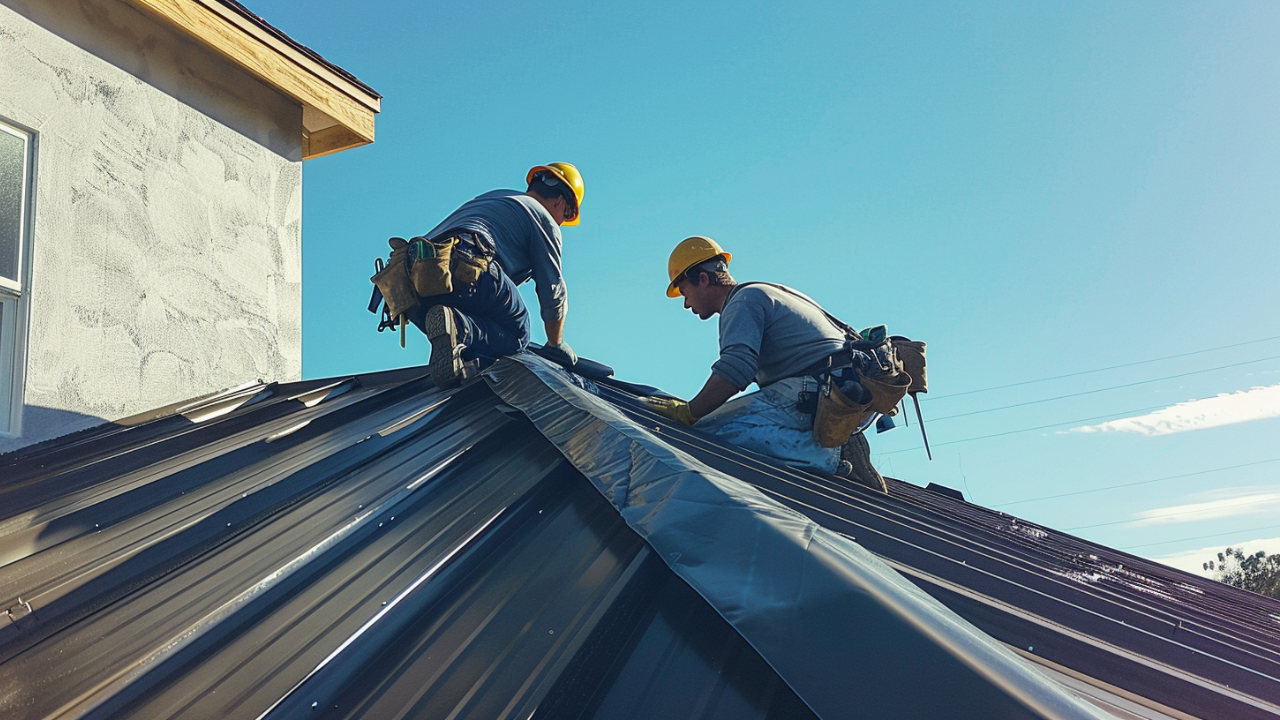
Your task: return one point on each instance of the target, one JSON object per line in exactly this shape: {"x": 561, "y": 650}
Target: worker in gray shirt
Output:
{"x": 518, "y": 233}
{"x": 771, "y": 335}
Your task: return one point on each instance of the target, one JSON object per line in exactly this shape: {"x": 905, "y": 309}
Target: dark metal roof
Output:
{"x": 401, "y": 540}
{"x": 1126, "y": 626}
{"x": 373, "y": 547}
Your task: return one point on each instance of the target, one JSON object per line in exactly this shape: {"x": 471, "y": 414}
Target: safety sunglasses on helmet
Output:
{"x": 551, "y": 181}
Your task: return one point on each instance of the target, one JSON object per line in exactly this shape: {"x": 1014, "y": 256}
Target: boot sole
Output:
{"x": 445, "y": 364}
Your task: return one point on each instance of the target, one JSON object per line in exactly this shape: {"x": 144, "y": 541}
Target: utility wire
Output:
{"x": 934, "y": 398}
{"x": 1247, "y": 501}
{"x": 1133, "y": 484}
{"x": 1202, "y": 537}
{"x": 1031, "y": 429}
{"x": 1105, "y": 389}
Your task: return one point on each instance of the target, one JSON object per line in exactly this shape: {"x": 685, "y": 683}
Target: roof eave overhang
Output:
{"x": 337, "y": 113}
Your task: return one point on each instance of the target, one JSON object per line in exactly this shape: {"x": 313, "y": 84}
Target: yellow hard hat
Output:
{"x": 568, "y": 175}
{"x": 691, "y": 251}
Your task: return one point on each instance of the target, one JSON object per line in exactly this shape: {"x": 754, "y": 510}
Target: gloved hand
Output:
{"x": 675, "y": 409}
{"x": 562, "y": 346}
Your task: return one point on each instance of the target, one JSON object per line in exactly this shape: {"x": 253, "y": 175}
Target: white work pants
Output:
{"x": 768, "y": 422}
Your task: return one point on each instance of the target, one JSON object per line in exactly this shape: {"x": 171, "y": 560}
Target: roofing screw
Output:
{"x": 551, "y": 632}
{"x": 1030, "y": 648}
{"x": 314, "y": 704}
{"x": 228, "y": 524}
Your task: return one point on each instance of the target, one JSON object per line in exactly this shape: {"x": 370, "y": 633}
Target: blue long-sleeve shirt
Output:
{"x": 527, "y": 242}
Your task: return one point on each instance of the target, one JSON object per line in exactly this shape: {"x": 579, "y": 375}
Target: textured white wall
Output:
{"x": 166, "y": 245}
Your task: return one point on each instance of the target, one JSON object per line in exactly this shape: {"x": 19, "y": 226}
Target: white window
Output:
{"x": 15, "y": 199}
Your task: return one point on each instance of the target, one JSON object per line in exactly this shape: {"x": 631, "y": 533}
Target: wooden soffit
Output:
{"x": 337, "y": 111}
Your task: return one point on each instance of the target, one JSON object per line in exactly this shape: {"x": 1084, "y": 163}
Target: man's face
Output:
{"x": 698, "y": 296}
{"x": 558, "y": 209}
{"x": 561, "y": 210}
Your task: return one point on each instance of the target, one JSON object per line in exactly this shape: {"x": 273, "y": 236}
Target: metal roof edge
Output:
{"x": 818, "y": 607}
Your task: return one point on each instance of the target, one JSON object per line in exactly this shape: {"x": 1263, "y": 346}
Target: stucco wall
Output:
{"x": 166, "y": 244}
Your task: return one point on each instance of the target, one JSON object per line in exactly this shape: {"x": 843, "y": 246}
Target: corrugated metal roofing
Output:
{"x": 373, "y": 547}
{"x": 389, "y": 551}
{"x": 1128, "y": 627}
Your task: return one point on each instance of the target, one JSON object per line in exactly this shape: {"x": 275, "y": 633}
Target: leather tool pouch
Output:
{"x": 911, "y": 353}
{"x": 886, "y": 390}
{"x": 884, "y": 376}
{"x": 430, "y": 260}
{"x": 394, "y": 283}
{"x": 837, "y": 415}
{"x": 468, "y": 265}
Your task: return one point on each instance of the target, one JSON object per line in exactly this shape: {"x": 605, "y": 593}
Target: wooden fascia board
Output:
{"x": 359, "y": 94}
{"x": 282, "y": 67}
{"x": 328, "y": 141}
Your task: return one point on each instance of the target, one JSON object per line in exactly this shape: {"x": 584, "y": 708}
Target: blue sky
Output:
{"x": 1035, "y": 189}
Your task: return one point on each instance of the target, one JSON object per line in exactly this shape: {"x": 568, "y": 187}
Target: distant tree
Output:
{"x": 1258, "y": 573}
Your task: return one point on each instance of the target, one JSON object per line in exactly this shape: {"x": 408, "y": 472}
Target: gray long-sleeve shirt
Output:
{"x": 526, "y": 238}
{"x": 767, "y": 334}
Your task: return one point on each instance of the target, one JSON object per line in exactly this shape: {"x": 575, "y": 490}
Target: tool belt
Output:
{"x": 871, "y": 374}
{"x": 864, "y": 378}
{"x": 422, "y": 268}
{"x": 437, "y": 266}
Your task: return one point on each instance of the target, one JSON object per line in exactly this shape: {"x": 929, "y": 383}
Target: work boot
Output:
{"x": 855, "y": 463}
{"x": 446, "y": 365}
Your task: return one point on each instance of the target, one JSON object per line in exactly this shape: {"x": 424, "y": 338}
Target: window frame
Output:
{"x": 15, "y": 296}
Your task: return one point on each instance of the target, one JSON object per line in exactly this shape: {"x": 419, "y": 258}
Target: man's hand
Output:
{"x": 563, "y": 347}
{"x": 675, "y": 409}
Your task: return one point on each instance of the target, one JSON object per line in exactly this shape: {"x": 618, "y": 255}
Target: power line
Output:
{"x": 1133, "y": 484}
{"x": 1039, "y": 427}
{"x": 1031, "y": 429}
{"x": 1105, "y": 389}
{"x": 1248, "y": 500}
{"x": 1202, "y": 537}
{"x": 934, "y": 398}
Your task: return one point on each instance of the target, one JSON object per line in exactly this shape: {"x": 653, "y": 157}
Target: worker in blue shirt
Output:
{"x": 518, "y": 233}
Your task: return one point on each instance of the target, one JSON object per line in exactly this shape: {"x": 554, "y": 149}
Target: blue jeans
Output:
{"x": 492, "y": 319}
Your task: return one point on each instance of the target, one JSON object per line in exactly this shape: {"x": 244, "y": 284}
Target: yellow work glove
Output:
{"x": 675, "y": 409}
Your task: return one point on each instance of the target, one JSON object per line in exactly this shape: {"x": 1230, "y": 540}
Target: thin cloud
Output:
{"x": 1210, "y": 509}
{"x": 1257, "y": 403}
